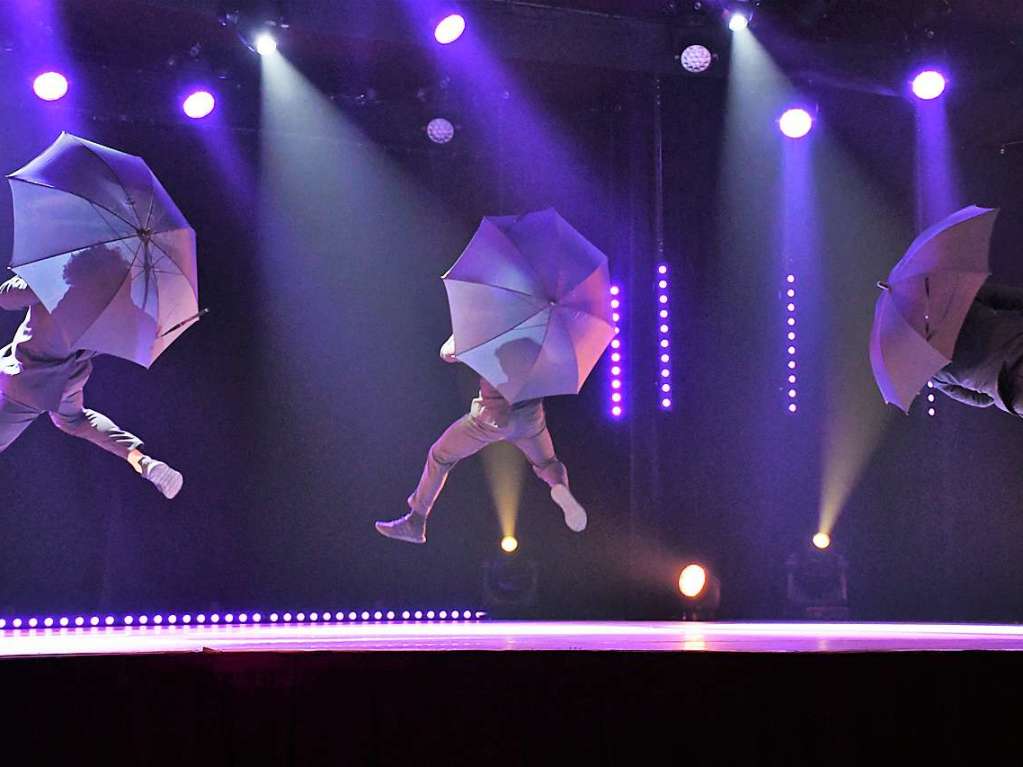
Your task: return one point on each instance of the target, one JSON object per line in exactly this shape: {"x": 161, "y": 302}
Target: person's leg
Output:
{"x": 74, "y": 419}
{"x": 463, "y": 438}
{"x": 538, "y": 447}
{"x": 14, "y": 419}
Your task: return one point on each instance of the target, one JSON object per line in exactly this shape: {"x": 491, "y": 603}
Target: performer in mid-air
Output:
{"x": 491, "y": 418}
{"x": 987, "y": 366}
{"x": 39, "y": 374}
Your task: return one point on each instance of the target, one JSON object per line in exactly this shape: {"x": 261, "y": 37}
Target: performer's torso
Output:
{"x": 989, "y": 346}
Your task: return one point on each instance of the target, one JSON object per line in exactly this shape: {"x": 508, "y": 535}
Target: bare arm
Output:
{"x": 964, "y": 395}
{"x": 1001, "y": 297}
{"x": 15, "y": 294}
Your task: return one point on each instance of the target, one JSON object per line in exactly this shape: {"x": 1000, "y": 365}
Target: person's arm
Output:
{"x": 962, "y": 394}
{"x": 15, "y": 294}
{"x": 1001, "y": 297}
{"x": 447, "y": 351}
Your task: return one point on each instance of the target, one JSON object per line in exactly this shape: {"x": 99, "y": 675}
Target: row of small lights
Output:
{"x": 202, "y": 619}
{"x": 663, "y": 338}
{"x": 790, "y": 340}
{"x": 930, "y": 399}
{"x": 617, "y": 385}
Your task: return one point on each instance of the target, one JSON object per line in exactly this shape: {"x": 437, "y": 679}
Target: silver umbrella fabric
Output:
{"x": 530, "y": 305}
{"x": 106, "y": 250}
{"x": 924, "y": 302}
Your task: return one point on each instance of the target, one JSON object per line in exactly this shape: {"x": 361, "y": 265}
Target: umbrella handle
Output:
{"x": 883, "y": 285}
{"x": 193, "y": 318}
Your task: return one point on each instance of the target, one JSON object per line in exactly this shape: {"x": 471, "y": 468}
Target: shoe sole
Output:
{"x": 167, "y": 480}
{"x": 396, "y": 537}
{"x": 575, "y": 514}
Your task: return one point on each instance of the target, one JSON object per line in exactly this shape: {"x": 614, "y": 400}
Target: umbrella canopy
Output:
{"x": 924, "y": 302}
{"x": 530, "y": 305}
{"x": 105, "y": 249}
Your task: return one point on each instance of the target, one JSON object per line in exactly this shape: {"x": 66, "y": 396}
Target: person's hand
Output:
{"x": 447, "y": 351}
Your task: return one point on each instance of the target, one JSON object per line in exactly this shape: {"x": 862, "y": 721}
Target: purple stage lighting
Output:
{"x": 440, "y": 130}
{"x": 663, "y": 331}
{"x": 790, "y": 338}
{"x": 50, "y": 86}
{"x": 199, "y": 104}
{"x": 929, "y": 85}
{"x": 617, "y": 409}
{"x": 449, "y": 29}
{"x": 796, "y": 123}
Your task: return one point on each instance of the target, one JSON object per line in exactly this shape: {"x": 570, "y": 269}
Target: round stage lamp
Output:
{"x": 449, "y": 29}
{"x": 509, "y": 544}
{"x": 692, "y": 581}
{"x": 795, "y": 123}
{"x": 50, "y": 86}
{"x": 440, "y": 130}
{"x": 929, "y": 85}
{"x": 266, "y": 45}
{"x": 696, "y": 59}
{"x": 822, "y": 540}
{"x": 199, "y": 104}
{"x": 738, "y": 21}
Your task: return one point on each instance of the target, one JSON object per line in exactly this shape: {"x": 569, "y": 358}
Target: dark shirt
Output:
{"x": 37, "y": 368}
{"x": 987, "y": 351}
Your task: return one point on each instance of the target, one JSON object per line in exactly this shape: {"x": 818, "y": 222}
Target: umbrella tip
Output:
{"x": 883, "y": 285}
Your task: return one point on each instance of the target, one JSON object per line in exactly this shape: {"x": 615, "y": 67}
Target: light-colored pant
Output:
{"x": 70, "y": 417}
{"x": 526, "y": 429}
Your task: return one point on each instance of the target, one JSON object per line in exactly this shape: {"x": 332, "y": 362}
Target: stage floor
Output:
{"x": 515, "y": 636}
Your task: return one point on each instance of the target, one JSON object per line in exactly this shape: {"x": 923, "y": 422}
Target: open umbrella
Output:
{"x": 105, "y": 249}
{"x": 924, "y": 302}
{"x": 530, "y": 305}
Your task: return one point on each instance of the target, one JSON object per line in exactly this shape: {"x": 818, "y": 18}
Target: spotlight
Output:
{"x": 696, "y": 58}
{"x": 822, "y": 540}
{"x": 50, "y": 86}
{"x": 266, "y": 45}
{"x": 795, "y": 123}
{"x": 738, "y": 21}
{"x": 929, "y": 85}
{"x": 440, "y": 130}
{"x": 509, "y": 543}
{"x": 701, "y": 592}
{"x": 199, "y": 104}
{"x": 817, "y": 584}
{"x": 449, "y": 29}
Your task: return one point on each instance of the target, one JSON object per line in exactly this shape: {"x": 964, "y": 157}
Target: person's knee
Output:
{"x": 439, "y": 456}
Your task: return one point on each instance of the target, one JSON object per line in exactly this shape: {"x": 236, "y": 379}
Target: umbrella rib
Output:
{"x": 76, "y": 250}
{"x": 167, "y": 256}
{"x": 117, "y": 178}
{"x": 74, "y": 194}
{"x": 488, "y": 285}
{"x": 494, "y": 338}
{"x": 127, "y": 276}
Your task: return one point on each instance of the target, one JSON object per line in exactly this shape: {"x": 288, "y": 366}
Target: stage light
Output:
{"x": 701, "y": 592}
{"x": 816, "y": 586}
{"x": 186, "y": 619}
{"x": 419, "y": 615}
{"x": 738, "y": 21}
{"x": 616, "y": 357}
{"x": 795, "y": 123}
{"x": 266, "y": 45}
{"x": 390, "y": 615}
{"x": 696, "y": 58}
{"x": 430, "y": 615}
{"x": 440, "y": 130}
{"x": 692, "y": 580}
{"x": 199, "y": 104}
{"x": 172, "y": 619}
{"x": 79, "y": 621}
{"x": 48, "y": 622}
{"x": 50, "y": 86}
{"x": 200, "y": 618}
{"x": 377, "y": 615}
{"x": 405, "y": 615}
{"x": 16, "y": 623}
{"x": 663, "y": 330}
{"x": 509, "y": 543}
{"x": 242, "y": 618}
{"x": 64, "y": 622}
{"x": 449, "y": 29}
{"x": 929, "y": 85}
{"x": 822, "y": 540}
{"x": 158, "y": 619}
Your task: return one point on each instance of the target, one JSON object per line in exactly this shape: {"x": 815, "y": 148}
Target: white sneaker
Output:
{"x": 575, "y": 515}
{"x": 167, "y": 480}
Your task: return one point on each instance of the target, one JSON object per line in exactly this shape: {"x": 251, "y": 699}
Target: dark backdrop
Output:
{"x": 300, "y": 410}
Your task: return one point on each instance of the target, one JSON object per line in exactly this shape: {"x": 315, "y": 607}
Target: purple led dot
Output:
{"x": 3, "y": 623}
{"x": 16, "y": 623}
{"x": 662, "y": 269}
{"x": 791, "y": 321}
{"x": 172, "y": 619}
{"x": 243, "y": 618}
{"x": 792, "y": 350}
{"x": 286, "y": 617}
{"x": 93, "y": 621}
{"x": 615, "y": 290}
{"x": 274, "y": 617}
{"x": 616, "y": 411}
{"x": 665, "y": 402}
{"x": 616, "y": 384}
{"x": 405, "y": 614}
{"x": 616, "y": 397}
{"x": 616, "y": 357}
{"x": 792, "y": 336}
{"x": 792, "y": 379}
{"x": 792, "y": 408}
{"x": 615, "y": 344}
{"x": 663, "y": 284}
{"x": 429, "y": 615}
{"x": 790, "y": 293}
{"x": 615, "y": 303}
{"x": 792, "y": 393}
{"x": 616, "y": 317}
{"x": 664, "y": 343}
{"x": 314, "y": 617}
{"x": 48, "y": 622}
{"x": 616, "y": 371}
{"x": 665, "y": 388}
{"x": 665, "y": 373}
{"x": 663, "y": 299}
{"x": 792, "y": 364}
{"x": 364, "y": 616}
{"x": 300, "y": 617}
{"x": 791, "y": 307}
{"x": 352, "y": 616}
{"x": 158, "y": 619}
{"x": 186, "y": 618}
{"x": 790, "y": 278}
{"x": 663, "y": 328}
{"x": 79, "y": 621}
{"x": 128, "y": 620}
{"x": 257, "y": 617}
{"x": 930, "y": 411}
{"x": 200, "y": 618}
{"x": 419, "y": 615}
{"x": 109, "y": 620}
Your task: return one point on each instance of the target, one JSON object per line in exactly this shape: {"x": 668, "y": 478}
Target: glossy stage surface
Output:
{"x": 514, "y": 636}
